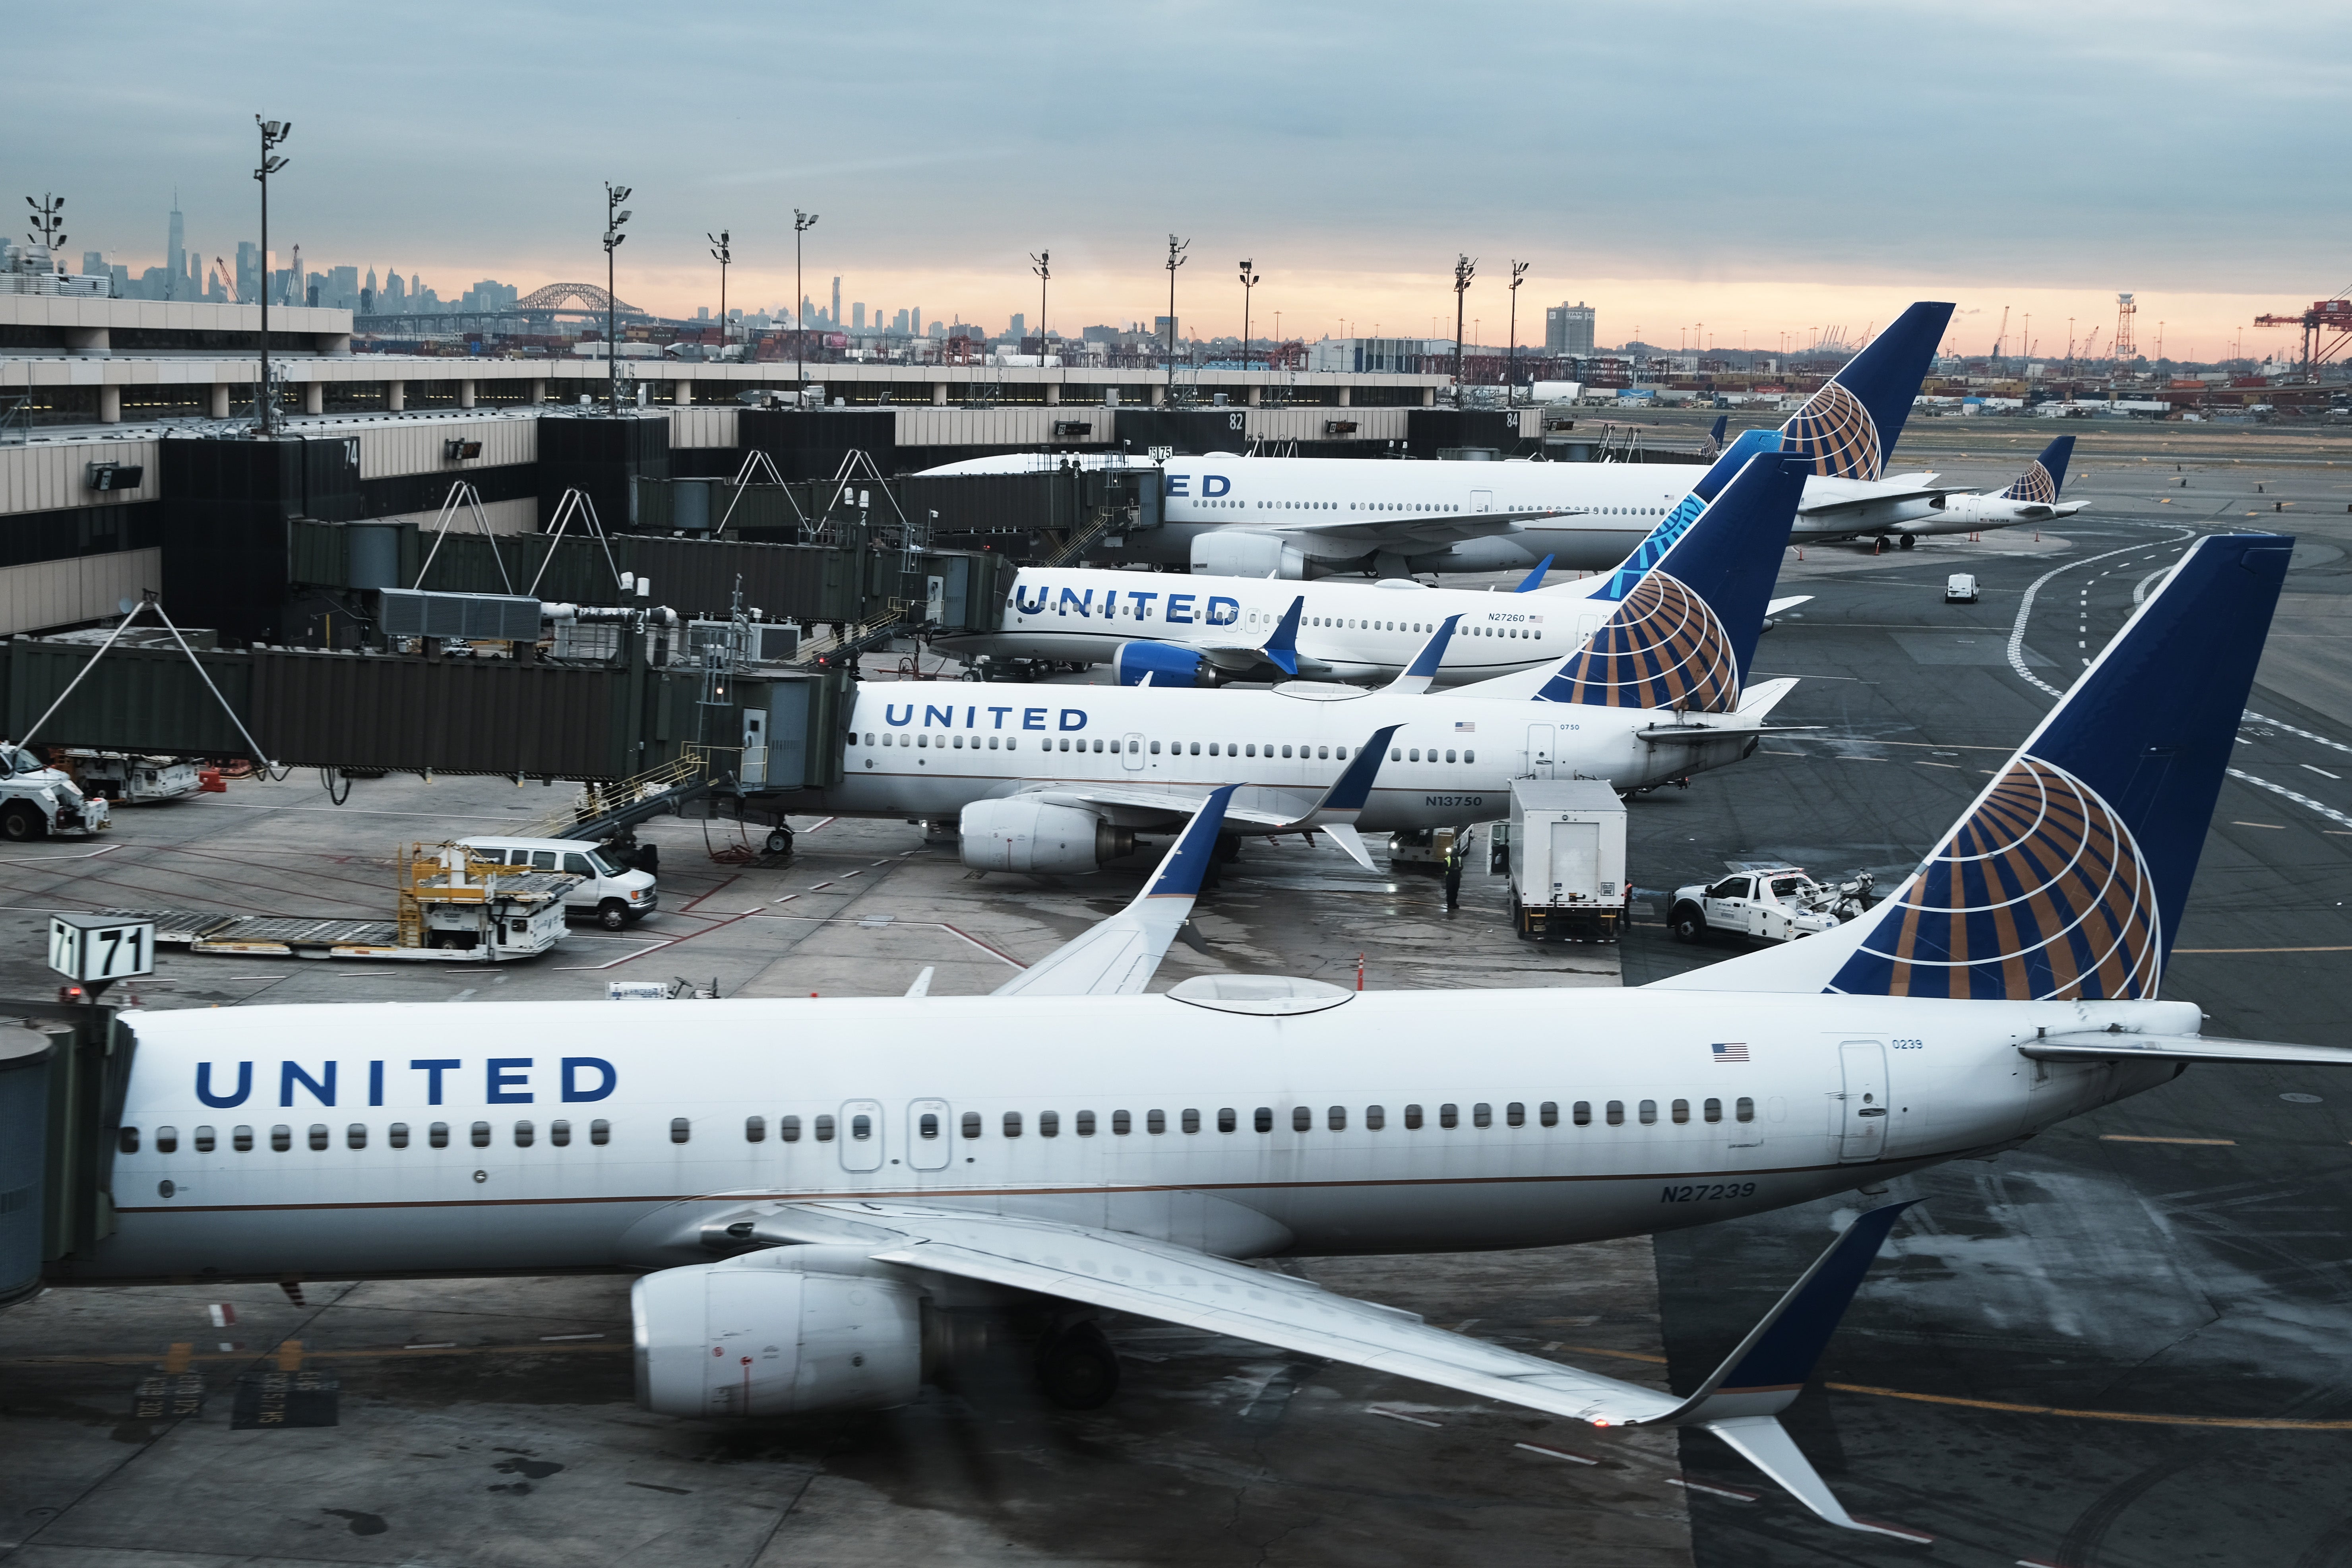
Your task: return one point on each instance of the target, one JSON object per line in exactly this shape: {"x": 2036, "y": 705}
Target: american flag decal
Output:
{"x": 1466, "y": 727}
{"x": 1736, "y": 1051}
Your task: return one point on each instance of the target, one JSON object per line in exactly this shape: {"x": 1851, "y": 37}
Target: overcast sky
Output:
{"x": 1759, "y": 169}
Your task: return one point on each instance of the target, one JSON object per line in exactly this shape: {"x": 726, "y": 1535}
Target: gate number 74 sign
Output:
{"x": 102, "y": 947}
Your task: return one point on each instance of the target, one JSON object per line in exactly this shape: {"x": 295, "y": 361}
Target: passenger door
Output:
{"x": 1482, "y": 501}
{"x": 755, "y": 746}
{"x": 1864, "y": 1125}
{"x": 1539, "y": 748}
{"x": 929, "y": 1130}
{"x": 861, "y": 1135}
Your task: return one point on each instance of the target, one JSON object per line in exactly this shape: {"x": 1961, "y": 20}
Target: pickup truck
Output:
{"x": 1770, "y": 902}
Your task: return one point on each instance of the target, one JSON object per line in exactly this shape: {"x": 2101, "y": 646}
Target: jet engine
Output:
{"x": 1238, "y": 552}
{"x": 774, "y": 1333}
{"x": 1024, "y": 834}
{"x": 1167, "y": 664}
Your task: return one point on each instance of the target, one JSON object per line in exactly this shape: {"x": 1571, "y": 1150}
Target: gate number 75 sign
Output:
{"x": 102, "y": 947}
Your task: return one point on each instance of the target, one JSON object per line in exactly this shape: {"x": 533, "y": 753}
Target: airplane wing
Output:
{"x": 1127, "y": 1273}
{"x": 1333, "y": 813}
{"x": 1118, "y": 957}
{"x": 1346, "y": 538}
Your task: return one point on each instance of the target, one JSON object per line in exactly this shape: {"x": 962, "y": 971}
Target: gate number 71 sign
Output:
{"x": 102, "y": 947}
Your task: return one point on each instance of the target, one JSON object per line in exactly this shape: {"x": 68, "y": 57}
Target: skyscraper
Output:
{"x": 250, "y": 272}
{"x": 834, "y": 320}
{"x": 1567, "y": 329}
{"x": 175, "y": 257}
{"x": 857, "y": 314}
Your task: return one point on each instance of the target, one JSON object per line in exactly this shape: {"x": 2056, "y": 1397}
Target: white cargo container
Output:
{"x": 1563, "y": 848}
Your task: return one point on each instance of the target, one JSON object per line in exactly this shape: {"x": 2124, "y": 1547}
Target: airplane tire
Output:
{"x": 1910, "y": 542}
{"x": 1077, "y": 1369}
{"x": 1690, "y": 925}
{"x": 780, "y": 841}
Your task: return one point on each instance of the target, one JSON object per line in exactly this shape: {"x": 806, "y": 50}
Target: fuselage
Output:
{"x": 1603, "y": 510}
{"x": 929, "y": 750}
{"x": 338, "y": 1142}
{"x": 1346, "y": 628}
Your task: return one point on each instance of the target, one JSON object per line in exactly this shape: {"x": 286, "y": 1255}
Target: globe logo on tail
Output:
{"x": 1663, "y": 648}
{"x": 2036, "y": 484}
{"x": 1837, "y": 433}
{"x": 2041, "y": 894}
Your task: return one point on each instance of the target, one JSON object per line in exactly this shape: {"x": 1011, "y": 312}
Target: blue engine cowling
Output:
{"x": 1167, "y": 664}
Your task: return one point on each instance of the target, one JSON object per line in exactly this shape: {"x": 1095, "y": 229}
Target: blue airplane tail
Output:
{"x": 1684, "y": 633}
{"x": 2066, "y": 879}
{"x": 2047, "y": 477}
{"x": 1849, "y": 427}
{"x": 1677, "y": 522}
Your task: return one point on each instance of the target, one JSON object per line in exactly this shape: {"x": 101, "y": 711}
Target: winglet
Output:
{"x": 1334, "y": 814}
{"x": 1281, "y": 649}
{"x": 1764, "y": 1374}
{"x": 1118, "y": 956}
{"x": 1534, "y": 578}
{"x": 1421, "y": 673}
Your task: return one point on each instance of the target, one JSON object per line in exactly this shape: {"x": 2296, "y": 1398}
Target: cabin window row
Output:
{"x": 399, "y": 1135}
{"x": 1121, "y": 1123}
{"x": 1349, "y": 622}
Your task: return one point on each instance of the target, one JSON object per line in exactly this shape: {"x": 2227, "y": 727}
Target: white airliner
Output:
{"x": 829, "y": 1194}
{"x": 1293, "y": 517}
{"x": 1059, "y": 778}
{"x": 1203, "y": 631}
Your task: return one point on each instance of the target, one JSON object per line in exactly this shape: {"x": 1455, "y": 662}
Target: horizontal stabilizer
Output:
{"x": 2107, "y": 1048}
{"x": 1782, "y": 607}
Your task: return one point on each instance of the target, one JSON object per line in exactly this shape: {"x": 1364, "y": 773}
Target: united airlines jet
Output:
{"x": 1059, "y": 778}
{"x": 818, "y": 1228}
{"x": 1298, "y": 517}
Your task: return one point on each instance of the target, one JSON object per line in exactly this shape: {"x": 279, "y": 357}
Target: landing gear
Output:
{"x": 780, "y": 841}
{"x": 1910, "y": 542}
{"x": 1077, "y": 1368}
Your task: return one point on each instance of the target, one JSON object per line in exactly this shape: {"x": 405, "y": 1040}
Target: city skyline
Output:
{"x": 1817, "y": 167}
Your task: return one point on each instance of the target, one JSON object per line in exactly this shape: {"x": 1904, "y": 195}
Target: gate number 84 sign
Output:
{"x": 102, "y": 947}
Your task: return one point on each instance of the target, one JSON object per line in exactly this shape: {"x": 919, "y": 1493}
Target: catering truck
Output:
{"x": 1563, "y": 848}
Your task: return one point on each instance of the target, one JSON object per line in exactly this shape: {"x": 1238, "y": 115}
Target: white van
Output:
{"x": 609, "y": 895}
{"x": 1961, "y": 588}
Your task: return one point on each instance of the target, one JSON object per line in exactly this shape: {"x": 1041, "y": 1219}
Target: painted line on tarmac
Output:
{"x": 940, "y": 925}
{"x": 2150, "y": 1138}
{"x": 2345, "y": 947}
{"x": 2254, "y": 718}
{"x": 2329, "y": 812}
{"x": 2025, "y": 609}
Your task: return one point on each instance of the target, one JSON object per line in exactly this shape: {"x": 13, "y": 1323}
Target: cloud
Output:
{"x": 1670, "y": 159}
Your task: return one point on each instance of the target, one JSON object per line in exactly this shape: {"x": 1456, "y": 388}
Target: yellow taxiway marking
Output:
{"x": 290, "y": 1356}
{"x": 2346, "y": 947}
{"x": 175, "y": 1361}
{"x": 2139, "y": 1138}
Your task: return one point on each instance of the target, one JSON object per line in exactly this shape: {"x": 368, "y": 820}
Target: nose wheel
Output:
{"x": 1077, "y": 1368}
{"x": 780, "y": 841}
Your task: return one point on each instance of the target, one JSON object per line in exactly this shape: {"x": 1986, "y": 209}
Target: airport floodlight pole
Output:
{"x": 802, "y": 223}
{"x": 1041, "y": 262}
{"x": 1249, "y": 282}
{"x": 721, "y": 252}
{"x": 273, "y": 132}
{"x": 1176, "y": 249}
{"x": 1464, "y": 270}
{"x": 614, "y": 217}
{"x": 1511, "y": 364}
{"x": 48, "y": 226}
